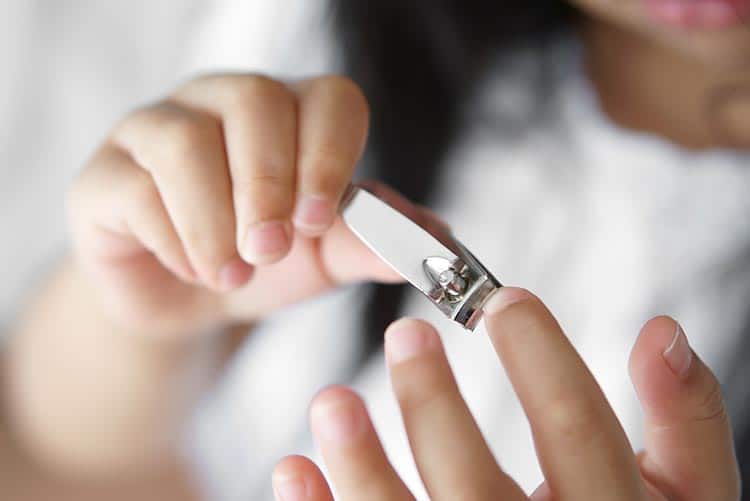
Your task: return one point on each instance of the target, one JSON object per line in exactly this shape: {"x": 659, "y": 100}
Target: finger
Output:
{"x": 542, "y": 493}
{"x": 345, "y": 258}
{"x": 689, "y": 450}
{"x": 259, "y": 117}
{"x": 334, "y": 118}
{"x": 656, "y": 493}
{"x": 338, "y": 258}
{"x": 184, "y": 152}
{"x": 582, "y": 448}
{"x": 296, "y": 478}
{"x": 118, "y": 225}
{"x": 451, "y": 454}
{"x": 351, "y": 449}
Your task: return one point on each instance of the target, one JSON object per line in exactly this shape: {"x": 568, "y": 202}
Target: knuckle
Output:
{"x": 185, "y": 135}
{"x": 328, "y": 165}
{"x": 142, "y": 119}
{"x": 262, "y": 199}
{"x": 275, "y": 165}
{"x": 257, "y": 183}
{"x": 162, "y": 135}
{"x": 572, "y": 419}
{"x": 86, "y": 188}
{"x": 346, "y": 89}
{"x": 424, "y": 389}
{"x": 134, "y": 119}
{"x": 247, "y": 91}
{"x": 327, "y": 175}
{"x": 711, "y": 406}
{"x": 267, "y": 188}
{"x": 266, "y": 173}
{"x": 202, "y": 79}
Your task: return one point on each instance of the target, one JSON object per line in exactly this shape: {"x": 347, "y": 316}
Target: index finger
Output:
{"x": 582, "y": 448}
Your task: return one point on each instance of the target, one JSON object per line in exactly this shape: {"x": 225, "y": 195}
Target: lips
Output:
{"x": 700, "y": 14}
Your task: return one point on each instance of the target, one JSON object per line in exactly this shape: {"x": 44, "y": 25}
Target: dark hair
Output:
{"x": 418, "y": 61}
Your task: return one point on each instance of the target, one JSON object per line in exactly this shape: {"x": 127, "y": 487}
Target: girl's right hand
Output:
{"x": 218, "y": 205}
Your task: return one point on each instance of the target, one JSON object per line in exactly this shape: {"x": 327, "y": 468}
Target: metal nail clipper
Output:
{"x": 425, "y": 254}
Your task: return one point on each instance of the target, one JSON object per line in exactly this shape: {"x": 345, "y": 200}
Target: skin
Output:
{"x": 690, "y": 86}
{"x": 195, "y": 207}
{"x": 581, "y": 446}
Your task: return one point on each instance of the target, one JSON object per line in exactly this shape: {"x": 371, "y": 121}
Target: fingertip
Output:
{"x": 670, "y": 380}
{"x": 649, "y": 370}
{"x": 678, "y": 355}
{"x": 235, "y": 274}
{"x": 409, "y": 338}
{"x": 266, "y": 243}
{"x": 542, "y": 493}
{"x": 337, "y": 416}
{"x": 292, "y": 467}
{"x": 296, "y": 478}
{"x": 332, "y": 394}
{"x": 662, "y": 343}
{"x": 409, "y": 324}
{"x": 655, "y": 337}
{"x": 688, "y": 434}
{"x": 505, "y": 297}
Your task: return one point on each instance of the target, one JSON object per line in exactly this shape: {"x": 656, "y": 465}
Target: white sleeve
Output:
{"x": 282, "y": 38}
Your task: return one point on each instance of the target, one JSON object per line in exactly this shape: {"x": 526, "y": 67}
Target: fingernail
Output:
{"x": 338, "y": 422}
{"x": 314, "y": 214}
{"x": 541, "y": 492}
{"x": 503, "y": 298}
{"x": 678, "y": 354}
{"x": 265, "y": 241}
{"x": 234, "y": 274}
{"x": 292, "y": 488}
{"x": 408, "y": 339}
{"x": 185, "y": 272}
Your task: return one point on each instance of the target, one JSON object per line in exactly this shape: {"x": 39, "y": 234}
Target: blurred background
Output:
{"x": 585, "y": 208}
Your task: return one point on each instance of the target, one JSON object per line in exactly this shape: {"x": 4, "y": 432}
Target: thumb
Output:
{"x": 689, "y": 450}
{"x": 346, "y": 258}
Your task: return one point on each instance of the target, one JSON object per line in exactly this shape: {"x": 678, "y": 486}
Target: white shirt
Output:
{"x": 609, "y": 227}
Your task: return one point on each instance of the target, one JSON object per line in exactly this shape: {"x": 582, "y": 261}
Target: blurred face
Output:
{"x": 715, "y": 31}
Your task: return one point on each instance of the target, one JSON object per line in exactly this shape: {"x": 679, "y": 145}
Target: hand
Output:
{"x": 187, "y": 196}
{"x": 583, "y": 451}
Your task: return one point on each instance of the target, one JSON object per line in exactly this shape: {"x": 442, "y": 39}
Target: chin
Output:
{"x": 723, "y": 50}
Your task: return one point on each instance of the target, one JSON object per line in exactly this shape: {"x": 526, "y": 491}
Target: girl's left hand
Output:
{"x": 582, "y": 449}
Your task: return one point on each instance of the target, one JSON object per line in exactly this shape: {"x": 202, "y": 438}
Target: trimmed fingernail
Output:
{"x": 337, "y": 422}
{"x": 541, "y": 493}
{"x": 504, "y": 297}
{"x": 265, "y": 241}
{"x": 291, "y": 488}
{"x": 678, "y": 354}
{"x": 314, "y": 214}
{"x": 234, "y": 274}
{"x": 407, "y": 339}
{"x": 185, "y": 272}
